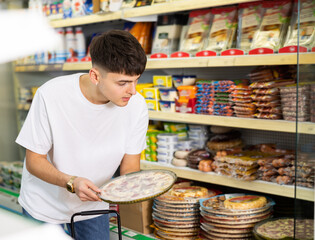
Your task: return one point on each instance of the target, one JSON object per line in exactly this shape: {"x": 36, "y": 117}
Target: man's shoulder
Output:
{"x": 59, "y": 83}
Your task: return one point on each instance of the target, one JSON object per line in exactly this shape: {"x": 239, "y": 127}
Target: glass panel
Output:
{"x": 303, "y": 31}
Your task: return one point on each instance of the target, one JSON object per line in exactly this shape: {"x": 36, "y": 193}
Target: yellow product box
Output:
{"x": 153, "y": 105}
{"x": 162, "y": 81}
{"x": 141, "y": 86}
{"x": 151, "y": 93}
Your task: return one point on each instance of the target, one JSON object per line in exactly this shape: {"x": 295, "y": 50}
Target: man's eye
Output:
{"x": 122, "y": 84}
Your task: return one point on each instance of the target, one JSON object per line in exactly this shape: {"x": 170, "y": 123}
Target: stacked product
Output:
{"x": 151, "y": 140}
{"x": 176, "y": 213}
{"x": 180, "y": 158}
{"x": 186, "y": 103}
{"x": 266, "y": 95}
{"x": 312, "y": 102}
{"x": 222, "y": 105}
{"x": 224, "y": 138}
{"x": 198, "y": 155}
{"x": 295, "y": 102}
{"x": 167, "y": 102}
{"x": 233, "y": 216}
{"x": 199, "y": 134}
{"x": 241, "y": 165}
{"x": 11, "y": 174}
{"x": 166, "y": 146}
{"x": 205, "y": 96}
{"x": 281, "y": 169}
{"x": 152, "y": 97}
{"x": 241, "y": 97}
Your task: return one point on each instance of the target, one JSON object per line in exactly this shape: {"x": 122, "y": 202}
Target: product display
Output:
{"x": 246, "y": 104}
{"x": 231, "y": 216}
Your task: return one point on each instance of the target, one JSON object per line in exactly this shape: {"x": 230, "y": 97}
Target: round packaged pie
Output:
{"x": 283, "y": 228}
{"x": 177, "y": 205}
{"x": 172, "y": 229}
{"x": 186, "y": 209}
{"x": 176, "y": 214}
{"x": 227, "y": 234}
{"x": 137, "y": 186}
{"x": 207, "y": 235}
{"x": 184, "y": 195}
{"x": 225, "y": 230}
{"x": 236, "y": 204}
{"x": 176, "y": 218}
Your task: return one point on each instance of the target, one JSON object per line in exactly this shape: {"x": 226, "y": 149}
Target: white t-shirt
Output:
{"x": 81, "y": 139}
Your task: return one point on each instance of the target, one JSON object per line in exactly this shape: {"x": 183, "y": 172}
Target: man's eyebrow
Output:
{"x": 124, "y": 80}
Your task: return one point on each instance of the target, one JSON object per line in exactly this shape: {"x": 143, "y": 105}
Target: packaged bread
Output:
{"x": 273, "y": 26}
{"x": 302, "y": 34}
{"x": 249, "y": 19}
{"x": 197, "y": 31}
{"x": 223, "y": 28}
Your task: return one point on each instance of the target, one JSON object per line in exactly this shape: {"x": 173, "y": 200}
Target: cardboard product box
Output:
{"x": 96, "y": 6}
{"x": 137, "y": 216}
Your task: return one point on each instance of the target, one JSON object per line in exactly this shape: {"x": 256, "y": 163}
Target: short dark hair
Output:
{"x": 118, "y": 51}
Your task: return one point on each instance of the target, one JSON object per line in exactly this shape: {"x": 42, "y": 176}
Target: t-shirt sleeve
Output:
{"x": 138, "y": 134}
{"x": 35, "y": 134}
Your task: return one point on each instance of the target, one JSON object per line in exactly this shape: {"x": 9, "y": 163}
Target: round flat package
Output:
{"x": 186, "y": 209}
{"x": 174, "y": 221}
{"x": 225, "y": 230}
{"x": 176, "y": 205}
{"x": 232, "y": 226}
{"x": 176, "y": 214}
{"x": 226, "y": 234}
{"x": 206, "y": 235}
{"x": 179, "y": 218}
{"x": 184, "y": 195}
{"x": 137, "y": 186}
{"x": 233, "y": 217}
{"x": 175, "y": 229}
{"x": 248, "y": 204}
{"x": 236, "y": 221}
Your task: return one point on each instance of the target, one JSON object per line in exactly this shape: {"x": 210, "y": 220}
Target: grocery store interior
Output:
{"x": 230, "y": 90}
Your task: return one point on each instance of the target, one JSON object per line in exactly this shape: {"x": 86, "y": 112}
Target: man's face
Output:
{"x": 117, "y": 88}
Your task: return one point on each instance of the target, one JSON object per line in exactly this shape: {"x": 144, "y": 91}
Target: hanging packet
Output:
{"x": 274, "y": 25}
{"x": 250, "y": 15}
{"x": 223, "y": 28}
{"x": 198, "y": 27}
{"x": 306, "y": 30}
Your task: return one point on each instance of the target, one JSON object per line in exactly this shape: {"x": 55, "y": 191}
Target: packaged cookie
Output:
{"x": 223, "y": 28}
{"x": 264, "y": 97}
{"x": 302, "y": 33}
{"x": 275, "y": 103}
{"x": 268, "y": 91}
{"x": 273, "y": 116}
{"x": 198, "y": 28}
{"x": 273, "y": 26}
{"x": 276, "y": 110}
{"x": 250, "y": 15}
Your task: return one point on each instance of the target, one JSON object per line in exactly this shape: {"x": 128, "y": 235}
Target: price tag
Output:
{"x": 260, "y": 51}
{"x": 180, "y": 55}
{"x": 232, "y": 52}
{"x": 206, "y": 53}
{"x": 292, "y": 49}
{"x": 158, "y": 55}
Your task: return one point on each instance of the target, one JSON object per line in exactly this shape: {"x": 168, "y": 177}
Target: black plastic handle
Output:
{"x": 96, "y": 212}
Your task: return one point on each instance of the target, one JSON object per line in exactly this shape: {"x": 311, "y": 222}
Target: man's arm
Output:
{"x": 39, "y": 166}
{"x": 130, "y": 163}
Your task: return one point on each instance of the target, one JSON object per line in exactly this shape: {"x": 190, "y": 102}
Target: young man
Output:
{"x": 79, "y": 130}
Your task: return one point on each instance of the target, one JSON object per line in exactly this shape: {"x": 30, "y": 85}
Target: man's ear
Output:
{"x": 94, "y": 76}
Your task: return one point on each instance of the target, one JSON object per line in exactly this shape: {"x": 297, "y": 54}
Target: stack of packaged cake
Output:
{"x": 233, "y": 216}
{"x": 176, "y": 213}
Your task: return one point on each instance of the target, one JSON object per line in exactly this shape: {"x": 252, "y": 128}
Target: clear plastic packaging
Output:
{"x": 274, "y": 25}
{"x": 250, "y": 15}
{"x": 223, "y": 28}
{"x": 197, "y": 31}
{"x": 306, "y": 29}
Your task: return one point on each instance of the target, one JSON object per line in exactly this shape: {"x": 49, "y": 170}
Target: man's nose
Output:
{"x": 132, "y": 88}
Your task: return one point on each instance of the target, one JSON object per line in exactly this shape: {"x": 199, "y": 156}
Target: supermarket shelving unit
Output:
{"x": 199, "y": 62}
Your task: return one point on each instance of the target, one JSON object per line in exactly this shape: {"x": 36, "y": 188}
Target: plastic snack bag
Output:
{"x": 307, "y": 25}
{"x": 274, "y": 25}
{"x": 223, "y": 28}
{"x": 250, "y": 16}
{"x": 198, "y": 27}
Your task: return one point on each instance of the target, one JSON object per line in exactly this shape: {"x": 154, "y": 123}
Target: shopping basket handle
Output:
{"x": 96, "y": 212}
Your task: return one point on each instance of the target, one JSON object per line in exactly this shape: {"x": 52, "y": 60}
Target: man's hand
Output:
{"x": 86, "y": 190}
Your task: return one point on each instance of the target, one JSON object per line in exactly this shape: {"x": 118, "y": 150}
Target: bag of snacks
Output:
{"x": 250, "y": 15}
{"x": 223, "y": 28}
{"x": 274, "y": 25}
{"x": 198, "y": 27}
{"x": 307, "y": 25}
